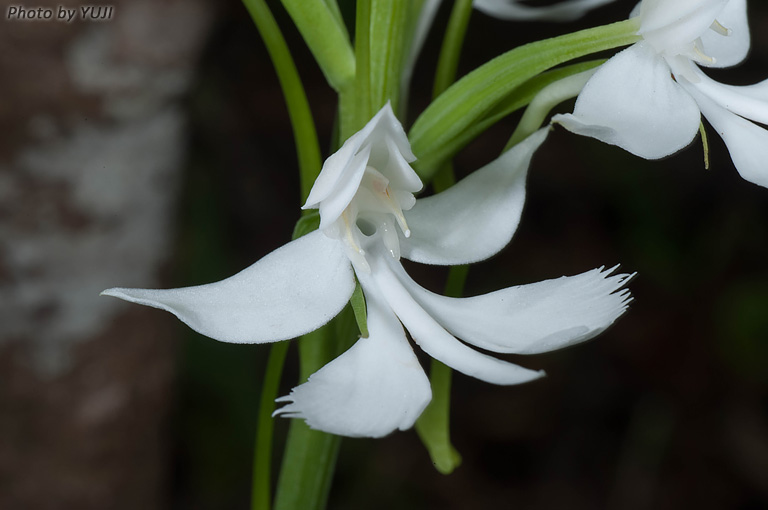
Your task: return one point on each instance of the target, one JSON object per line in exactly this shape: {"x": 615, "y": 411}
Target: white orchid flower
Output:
{"x": 514, "y": 10}
{"x": 648, "y": 99}
{"x": 369, "y": 218}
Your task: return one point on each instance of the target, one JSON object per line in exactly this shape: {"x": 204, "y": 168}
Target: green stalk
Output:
{"x": 309, "y": 159}
{"x": 473, "y": 96}
{"x": 448, "y": 61}
{"x": 325, "y": 34}
{"x": 310, "y": 455}
{"x": 304, "y": 133}
{"x": 262, "y": 456}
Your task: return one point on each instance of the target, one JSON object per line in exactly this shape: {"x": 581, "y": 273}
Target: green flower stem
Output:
{"x": 310, "y": 455}
{"x": 305, "y": 135}
{"x": 262, "y": 462}
{"x": 521, "y": 96}
{"x": 473, "y": 96}
{"x": 448, "y": 61}
{"x": 308, "y": 151}
{"x": 327, "y": 38}
{"x": 549, "y": 97}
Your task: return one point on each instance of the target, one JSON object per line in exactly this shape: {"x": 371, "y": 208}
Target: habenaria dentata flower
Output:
{"x": 648, "y": 99}
{"x": 369, "y": 219}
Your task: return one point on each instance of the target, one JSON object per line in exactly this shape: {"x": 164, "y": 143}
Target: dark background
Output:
{"x": 666, "y": 410}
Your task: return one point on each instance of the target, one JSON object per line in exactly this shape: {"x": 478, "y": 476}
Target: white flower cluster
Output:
{"x": 369, "y": 219}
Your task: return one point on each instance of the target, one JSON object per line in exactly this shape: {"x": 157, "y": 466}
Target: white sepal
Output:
{"x": 291, "y": 291}
{"x": 475, "y": 218}
{"x": 632, "y": 102}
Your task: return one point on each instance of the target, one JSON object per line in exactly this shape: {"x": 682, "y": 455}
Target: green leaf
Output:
{"x": 427, "y": 165}
{"x": 387, "y": 32}
{"x": 326, "y": 36}
{"x": 262, "y": 457}
{"x": 475, "y": 95}
{"x": 307, "y": 145}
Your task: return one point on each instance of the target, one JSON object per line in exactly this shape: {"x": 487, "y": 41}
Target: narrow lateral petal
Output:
{"x": 475, "y": 218}
{"x": 747, "y": 142}
{"x": 374, "y": 388}
{"x": 291, "y": 291}
{"x": 729, "y": 50}
{"x": 633, "y": 102}
{"x": 435, "y": 340}
{"x": 530, "y": 319}
{"x": 750, "y": 101}
{"x": 333, "y": 206}
{"x": 512, "y": 10}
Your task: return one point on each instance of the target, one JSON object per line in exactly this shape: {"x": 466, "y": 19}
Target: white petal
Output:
{"x": 633, "y": 102}
{"x": 731, "y": 49}
{"x": 400, "y": 173}
{"x": 374, "y": 388}
{"x": 747, "y": 142}
{"x": 530, "y": 319}
{"x": 567, "y": 10}
{"x": 669, "y": 25}
{"x": 475, "y": 218}
{"x": 335, "y": 167}
{"x": 293, "y": 290}
{"x": 332, "y": 174}
{"x": 434, "y": 339}
{"x": 334, "y": 204}
{"x": 749, "y": 101}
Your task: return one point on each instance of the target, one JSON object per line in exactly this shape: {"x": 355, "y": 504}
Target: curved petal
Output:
{"x": 728, "y": 50}
{"x": 434, "y": 339}
{"x": 334, "y": 204}
{"x": 747, "y": 142}
{"x": 530, "y": 319}
{"x": 374, "y": 388}
{"x": 475, "y": 218}
{"x": 633, "y": 102}
{"x": 672, "y": 24}
{"x": 750, "y": 101}
{"x": 567, "y": 10}
{"x": 340, "y": 176}
{"x": 291, "y": 291}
